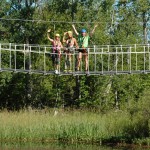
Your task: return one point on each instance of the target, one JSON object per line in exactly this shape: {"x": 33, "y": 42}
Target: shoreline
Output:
{"x": 55, "y": 141}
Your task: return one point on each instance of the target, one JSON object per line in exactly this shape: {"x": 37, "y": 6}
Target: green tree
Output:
{"x": 27, "y": 22}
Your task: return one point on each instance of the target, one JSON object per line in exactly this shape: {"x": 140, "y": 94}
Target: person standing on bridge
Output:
{"x": 83, "y": 41}
{"x": 70, "y": 46}
{"x": 56, "y": 50}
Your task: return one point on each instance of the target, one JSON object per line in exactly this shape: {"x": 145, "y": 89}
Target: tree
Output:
{"x": 144, "y": 16}
{"x": 27, "y": 22}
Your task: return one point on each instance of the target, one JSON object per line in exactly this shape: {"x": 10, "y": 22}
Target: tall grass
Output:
{"x": 76, "y": 126}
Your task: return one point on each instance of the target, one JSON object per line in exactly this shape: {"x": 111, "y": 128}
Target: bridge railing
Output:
{"x": 102, "y": 59}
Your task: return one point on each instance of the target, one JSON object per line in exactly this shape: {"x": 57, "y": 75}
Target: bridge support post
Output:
{"x": 77, "y": 89}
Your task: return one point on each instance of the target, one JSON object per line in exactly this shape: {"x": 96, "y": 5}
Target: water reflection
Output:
{"x": 58, "y": 146}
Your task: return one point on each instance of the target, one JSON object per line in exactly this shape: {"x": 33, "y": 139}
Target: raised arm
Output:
{"x": 64, "y": 40}
{"x": 92, "y": 32}
{"x": 74, "y": 29}
{"x": 61, "y": 45}
{"x": 48, "y": 36}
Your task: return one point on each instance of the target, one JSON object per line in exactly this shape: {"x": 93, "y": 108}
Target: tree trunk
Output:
{"x": 144, "y": 28}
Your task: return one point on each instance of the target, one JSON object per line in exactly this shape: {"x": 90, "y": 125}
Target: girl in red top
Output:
{"x": 56, "y": 50}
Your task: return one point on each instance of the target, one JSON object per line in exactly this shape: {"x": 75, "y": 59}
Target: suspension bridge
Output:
{"x": 102, "y": 59}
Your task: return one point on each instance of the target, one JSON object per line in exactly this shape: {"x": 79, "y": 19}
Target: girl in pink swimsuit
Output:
{"x": 56, "y": 50}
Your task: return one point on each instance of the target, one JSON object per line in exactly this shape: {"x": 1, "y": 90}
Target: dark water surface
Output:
{"x": 60, "y": 146}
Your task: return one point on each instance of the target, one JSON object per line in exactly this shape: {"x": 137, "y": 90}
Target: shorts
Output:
{"x": 69, "y": 50}
{"x": 56, "y": 59}
{"x": 83, "y": 50}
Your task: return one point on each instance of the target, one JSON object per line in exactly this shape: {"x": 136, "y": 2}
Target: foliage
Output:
{"x": 76, "y": 126}
{"x": 27, "y": 22}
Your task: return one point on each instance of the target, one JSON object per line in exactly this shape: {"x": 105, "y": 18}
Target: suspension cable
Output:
{"x": 68, "y": 22}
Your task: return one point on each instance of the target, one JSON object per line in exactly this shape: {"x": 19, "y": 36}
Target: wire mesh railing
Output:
{"x": 102, "y": 59}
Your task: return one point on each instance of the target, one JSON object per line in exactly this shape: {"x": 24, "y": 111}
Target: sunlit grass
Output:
{"x": 70, "y": 126}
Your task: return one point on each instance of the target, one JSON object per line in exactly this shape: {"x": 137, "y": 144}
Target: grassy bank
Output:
{"x": 76, "y": 126}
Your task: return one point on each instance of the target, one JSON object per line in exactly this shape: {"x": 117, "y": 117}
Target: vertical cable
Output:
{"x": 136, "y": 56}
{"x": 44, "y": 61}
{"x": 108, "y": 46}
{"x": 24, "y": 56}
{"x": 0, "y": 57}
{"x": 10, "y": 55}
{"x": 121, "y": 58}
{"x": 102, "y": 60}
{"x": 70, "y": 59}
{"x": 88, "y": 59}
{"x": 15, "y": 56}
{"x": 59, "y": 61}
{"x": 149, "y": 55}
{"x": 116, "y": 64}
{"x": 73, "y": 61}
{"x": 82, "y": 62}
{"x": 94, "y": 59}
{"x": 29, "y": 59}
{"x": 144, "y": 59}
{"x": 130, "y": 58}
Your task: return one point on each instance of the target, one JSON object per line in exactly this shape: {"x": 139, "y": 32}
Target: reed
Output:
{"x": 70, "y": 126}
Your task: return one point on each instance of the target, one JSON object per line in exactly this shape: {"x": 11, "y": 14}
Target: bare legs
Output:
{"x": 68, "y": 63}
{"x": 85, "y": 55}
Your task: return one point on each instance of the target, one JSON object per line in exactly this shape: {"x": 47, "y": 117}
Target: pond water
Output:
{"x": 59, "y": 146}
